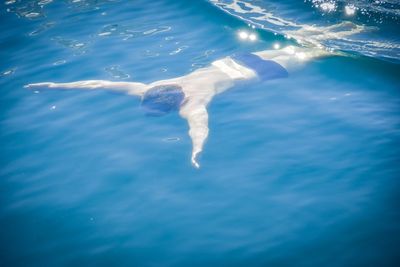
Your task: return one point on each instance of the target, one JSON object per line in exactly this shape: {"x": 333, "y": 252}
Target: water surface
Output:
{"x": 302, "y": 171}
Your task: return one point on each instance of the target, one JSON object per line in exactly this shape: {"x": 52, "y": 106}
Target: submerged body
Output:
{"x": 192, "y": 93}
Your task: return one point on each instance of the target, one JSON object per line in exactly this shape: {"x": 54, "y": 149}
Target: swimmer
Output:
{"x": 192, "y": 93}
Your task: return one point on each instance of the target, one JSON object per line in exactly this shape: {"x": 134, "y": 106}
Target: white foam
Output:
{"x": 350, "y": 10}
{"x": 341, "y": 36}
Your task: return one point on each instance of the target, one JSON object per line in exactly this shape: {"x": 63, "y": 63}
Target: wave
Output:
{"x": 343, "y": 34}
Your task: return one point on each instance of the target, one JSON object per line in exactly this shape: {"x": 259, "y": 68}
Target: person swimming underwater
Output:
{"x": 192, "y": 93}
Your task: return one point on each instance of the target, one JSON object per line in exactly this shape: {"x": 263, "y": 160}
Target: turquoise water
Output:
{"x": 302, "y": 171}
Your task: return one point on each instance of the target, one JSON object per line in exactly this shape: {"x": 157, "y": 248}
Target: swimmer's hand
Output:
{"x": 130, "y": 88}
{"x": 43, "y": 85}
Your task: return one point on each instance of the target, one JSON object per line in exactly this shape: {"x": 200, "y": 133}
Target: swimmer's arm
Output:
{"x": 197, "y": 118}
{"x": 131, "y": 88}
{"x": 292, "y": 56}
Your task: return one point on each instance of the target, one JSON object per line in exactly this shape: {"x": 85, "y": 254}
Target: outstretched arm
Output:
{"x": 291, "y": 57}
{"x": 131, "y": 88}
{"x": 197, "y": 118}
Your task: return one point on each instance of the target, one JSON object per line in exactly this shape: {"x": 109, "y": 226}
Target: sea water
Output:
{"x": 302, "y": 171}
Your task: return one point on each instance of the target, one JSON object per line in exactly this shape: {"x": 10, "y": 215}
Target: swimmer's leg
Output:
{"x": 131, "y": 88}
{"x": 197, "y": 117}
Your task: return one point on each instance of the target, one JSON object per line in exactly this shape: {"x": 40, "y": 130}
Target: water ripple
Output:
{"x": 115, "y": 72}
{"x": 127, "y": 32}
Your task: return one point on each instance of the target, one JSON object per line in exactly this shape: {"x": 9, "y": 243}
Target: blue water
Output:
{"x": 302, "y": 171}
